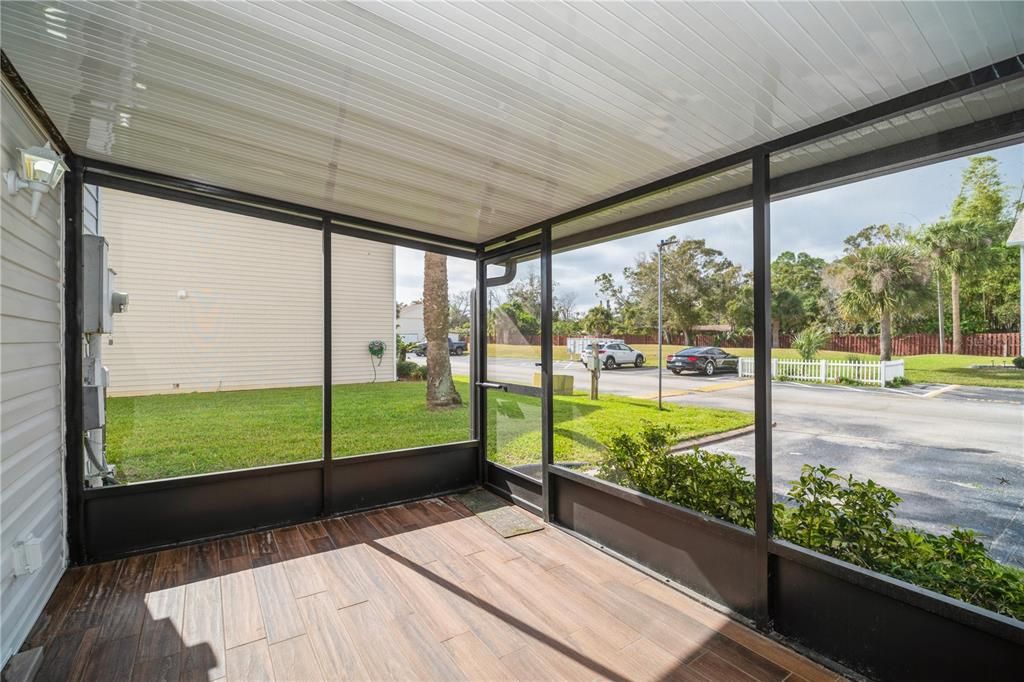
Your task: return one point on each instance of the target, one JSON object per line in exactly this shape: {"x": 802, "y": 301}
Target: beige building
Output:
{"x": 410, "y": 323}
{"x": 220, "y": 301}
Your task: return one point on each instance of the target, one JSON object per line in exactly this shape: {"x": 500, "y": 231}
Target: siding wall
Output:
{"x": 31, "y": 388}
{"x": 220, "y": 301}
{"x": 410, "y": 322}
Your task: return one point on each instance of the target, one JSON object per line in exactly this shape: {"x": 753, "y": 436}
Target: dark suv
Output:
{"x": 454, "y": 348}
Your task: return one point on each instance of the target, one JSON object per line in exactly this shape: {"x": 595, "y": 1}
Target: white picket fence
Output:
{"x": 577, "y": 344}
{"x": 829, "y": 371}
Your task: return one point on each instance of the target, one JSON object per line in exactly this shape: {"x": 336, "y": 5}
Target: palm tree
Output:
{"x": 440, "y": 387}
{"x": 879, "y": 282}
{"x": 958, "y": 245}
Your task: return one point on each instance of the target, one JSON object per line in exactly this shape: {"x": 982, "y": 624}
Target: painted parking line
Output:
{"x": 703, "y": 389}
{"x": 725, "y": 386}
{"x": 940, "y": 391}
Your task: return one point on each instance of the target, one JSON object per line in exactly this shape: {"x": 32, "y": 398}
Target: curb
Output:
{"x": 714, "y": 438}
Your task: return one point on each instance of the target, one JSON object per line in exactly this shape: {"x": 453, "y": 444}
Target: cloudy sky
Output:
{"x": 816, "y": 223}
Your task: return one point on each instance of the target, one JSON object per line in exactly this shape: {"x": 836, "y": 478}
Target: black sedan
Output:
{"x": 704, "y": 359}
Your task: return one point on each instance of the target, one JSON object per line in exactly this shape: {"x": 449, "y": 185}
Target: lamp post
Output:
{"x": 1017, "y": 239}
{"x": 661, "y": 245}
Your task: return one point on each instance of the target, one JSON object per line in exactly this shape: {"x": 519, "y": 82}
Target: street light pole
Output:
{"x": 1017, "y": 239}
{"x": 661, "y": 245}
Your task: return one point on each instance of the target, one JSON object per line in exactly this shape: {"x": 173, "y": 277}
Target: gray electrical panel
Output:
{"x": 99, "y": 300}
{"x": 97, "y": 317}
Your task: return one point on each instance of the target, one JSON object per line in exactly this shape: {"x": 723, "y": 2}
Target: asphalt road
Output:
{"x": 955, "y": 455}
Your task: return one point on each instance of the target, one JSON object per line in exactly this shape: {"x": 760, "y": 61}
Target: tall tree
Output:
{"x": 699, "y": 282}
{"x": 801, "y": 275}
{"x": 970, "y": 240}
{"x": 598, "y": 321}
{"x": 459, "y": 308}
{"x": 525, "y": 293}
{"x": 880, "y": 282}
{"x": 440, "y": 386}
{"x": 798, "y": 294}
{"x": 513, "y": 322}
{"x": 959, "y": 246}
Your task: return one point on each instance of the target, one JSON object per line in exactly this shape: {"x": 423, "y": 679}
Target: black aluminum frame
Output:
{"x": 813, "y": 600}
{"x": 74, "y": 434}
{"x": 762, "y": 388}
{"x": 820, "y": 605}
{"x": 105, "y": 523}
{"x": 515, "y": 486}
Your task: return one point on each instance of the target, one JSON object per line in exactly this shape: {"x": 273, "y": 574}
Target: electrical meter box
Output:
{"x": 99, "y": 300}
{"x": 94, "y": 395}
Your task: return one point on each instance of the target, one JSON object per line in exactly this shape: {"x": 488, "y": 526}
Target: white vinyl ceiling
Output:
{"x": 470, "y": 120}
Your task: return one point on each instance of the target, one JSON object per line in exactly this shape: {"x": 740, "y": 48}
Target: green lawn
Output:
{"x": 582, "y": 426}
{"x": 956, "y": 369}
{"x": 930, "y": 369}
{"x": 163, "y": 436}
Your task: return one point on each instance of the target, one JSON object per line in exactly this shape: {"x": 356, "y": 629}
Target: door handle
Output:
{"x": 489, "y": 384}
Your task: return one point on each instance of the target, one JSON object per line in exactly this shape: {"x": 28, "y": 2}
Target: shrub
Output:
{"x": 734, "y": 337}
{"x": 403, "y": 348}
{"x": 896, "y": 382}
{"x": 843, "y": 517}
{"x": 420, "y": 373}
{"x": 407, "y": 369}
{"x": 810, "y": 340}
{"x": 852, "y": 522}
{"x": 707, "y": 482}
{"x": 1018, "y": 362}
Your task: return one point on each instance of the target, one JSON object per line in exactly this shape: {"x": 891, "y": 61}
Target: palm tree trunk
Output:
{"x": 440, "y": 387}
{"x": 885, "y": 333}
{"x": 954, "y": 297}
{"x": 776, "y": 328}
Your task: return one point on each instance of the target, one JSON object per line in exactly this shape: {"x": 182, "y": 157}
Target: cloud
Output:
{"x": 816, "y": 223}
{"x": 409, "y": 274}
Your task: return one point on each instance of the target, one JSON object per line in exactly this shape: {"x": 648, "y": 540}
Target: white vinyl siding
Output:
{"x": 31, "y": 389}
{"x": 362, "y": 309}
{"x": 219, "y": 301}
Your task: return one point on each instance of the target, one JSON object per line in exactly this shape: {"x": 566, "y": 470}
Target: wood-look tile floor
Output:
{"x": 419, "y": 591}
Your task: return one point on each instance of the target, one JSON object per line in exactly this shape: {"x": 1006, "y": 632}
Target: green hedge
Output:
{"x": 840, "y": 516}
{"x": 407, "y": 369}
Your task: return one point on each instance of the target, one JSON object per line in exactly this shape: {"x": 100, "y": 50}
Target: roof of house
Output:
{"x": 1016, "y": 237}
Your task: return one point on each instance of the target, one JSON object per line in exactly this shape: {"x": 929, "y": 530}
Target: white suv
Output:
{"x": 613, "y": 355}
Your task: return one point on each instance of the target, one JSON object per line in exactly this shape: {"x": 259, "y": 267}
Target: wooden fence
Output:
{"x": 999, "y": 344}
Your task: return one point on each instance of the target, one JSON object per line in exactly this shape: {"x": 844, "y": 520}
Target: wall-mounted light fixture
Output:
{"x": 41, "y": 170}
